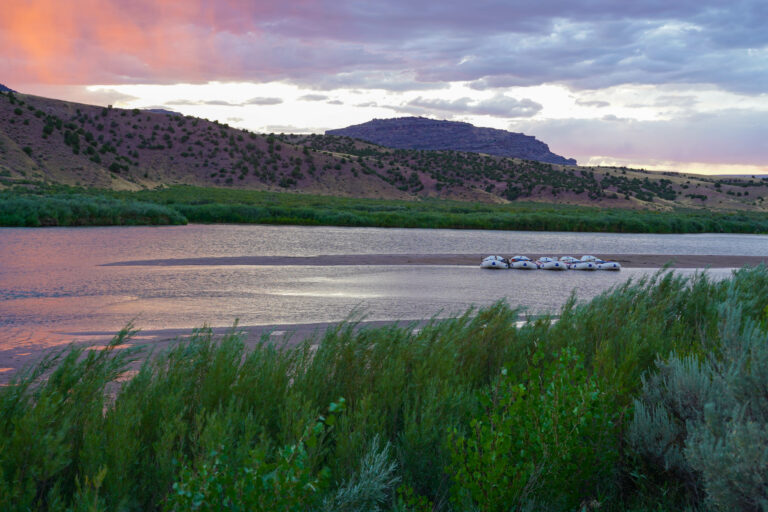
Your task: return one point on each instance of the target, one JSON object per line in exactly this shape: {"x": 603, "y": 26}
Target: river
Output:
{"x": 57, "y": 284}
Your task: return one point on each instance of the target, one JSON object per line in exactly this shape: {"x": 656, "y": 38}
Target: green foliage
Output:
{"x": 547, "y": 436}
{"x": 259, "y": 484}
{"x": 45, "y": 428}
{"x": 367, "y": 489}
{"x": 471, "y": 412}
{"x": 225, "y": 205}
{"x": 24, "y": 210}
{"x": 702, "y": 422}
{"x": 660, "y": 313}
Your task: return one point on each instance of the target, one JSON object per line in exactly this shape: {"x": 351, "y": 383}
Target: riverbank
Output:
{"x": 626, "y": 260}
{"x": 43, "y": 205}
{"x": 29, "y": 346}
{"x": 26, "y": 343}
{"x": 470, "y": 412}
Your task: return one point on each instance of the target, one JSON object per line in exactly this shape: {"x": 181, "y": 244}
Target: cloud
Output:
{"x": 396, "y": 45}
{"x": 394, "y": 81}
{"x": 335, "y": 102}
{"x": 313, "y": 97}
{"x": 183, "y": 102}
{"x": 107, "y": 97}
{"x": 222, "y": 103}
{"x": 262, "y": 101}
{"x": 499, "y": 105}
{"x": 286, "y": 128}
{"x": 726, "y": 137}
{"x": 593, "y": 103}
{"x": 669, "y": 100}
{"x": 92, "y": 96}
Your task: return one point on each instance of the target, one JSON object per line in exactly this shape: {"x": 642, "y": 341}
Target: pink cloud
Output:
{"x": 582, "y": 43}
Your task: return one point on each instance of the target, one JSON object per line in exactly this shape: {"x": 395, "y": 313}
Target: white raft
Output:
{"x": 547, "y": 263}
{"x": 608, "y": 265}
{"x": 494, "y": 262}
{"x": 585, "y": 263}
{"x": 523, "y": 263}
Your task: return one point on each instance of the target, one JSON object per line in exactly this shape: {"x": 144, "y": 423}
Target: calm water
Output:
{"x": 52, "y": 280}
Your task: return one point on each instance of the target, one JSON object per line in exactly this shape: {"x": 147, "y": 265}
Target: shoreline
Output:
{"x": 626, "y": 260}
{"x": 31, "y": 346}
{"x": 13, "y": 359}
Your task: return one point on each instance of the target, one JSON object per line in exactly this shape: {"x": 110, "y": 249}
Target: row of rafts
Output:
{"x": 565, "y": 263}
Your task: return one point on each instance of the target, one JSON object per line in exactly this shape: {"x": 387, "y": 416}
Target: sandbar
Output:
{"x": 626, "y": 260}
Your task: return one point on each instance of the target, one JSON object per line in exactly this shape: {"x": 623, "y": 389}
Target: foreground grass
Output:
{"x": 58, "y": 206}
{"x": 469, "y": 413}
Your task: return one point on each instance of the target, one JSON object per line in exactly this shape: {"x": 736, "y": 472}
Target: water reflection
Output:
{"x": 52, "y": 282}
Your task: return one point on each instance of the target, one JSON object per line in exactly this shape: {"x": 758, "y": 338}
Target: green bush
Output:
{"x": 702, "y": 422}
{"x": 546, "y": 438}
{"x": 257, "y": 484}
{"x": 470, "y": 412}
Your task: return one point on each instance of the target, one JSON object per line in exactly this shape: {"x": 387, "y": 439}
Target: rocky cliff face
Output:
{"x": 423, "y": 133}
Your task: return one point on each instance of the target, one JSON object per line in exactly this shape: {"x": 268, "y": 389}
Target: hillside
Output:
{"x": 45, "y": 140}
{"x": 430, "y": 134}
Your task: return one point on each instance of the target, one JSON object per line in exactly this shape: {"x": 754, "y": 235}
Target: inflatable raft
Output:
{"x": 495, "y": 262}
{"x": 523, "y": 263}
{"x": 546, "y": 263}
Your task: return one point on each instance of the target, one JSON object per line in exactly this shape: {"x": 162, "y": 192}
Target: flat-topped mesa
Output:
{"x": 423, "y": 133}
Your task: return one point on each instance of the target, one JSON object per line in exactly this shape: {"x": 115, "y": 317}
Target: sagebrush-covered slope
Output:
{"x": 55, "y": 141}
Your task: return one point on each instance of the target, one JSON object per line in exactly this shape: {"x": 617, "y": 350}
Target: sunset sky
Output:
{"x": 660, "y": 84}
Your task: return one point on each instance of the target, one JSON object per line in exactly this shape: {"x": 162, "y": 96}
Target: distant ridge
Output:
{"x": 5, "y": 89}
{"x": 423, "y": 133}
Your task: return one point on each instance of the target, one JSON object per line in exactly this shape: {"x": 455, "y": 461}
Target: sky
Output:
{"x": 656, "y": 84}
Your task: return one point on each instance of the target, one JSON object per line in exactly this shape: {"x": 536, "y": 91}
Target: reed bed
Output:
{"x": 56, "y": 205}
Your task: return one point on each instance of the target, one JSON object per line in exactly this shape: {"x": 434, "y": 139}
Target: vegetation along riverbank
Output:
{"x": 665, "y": 410}
{"x": 71, "y": 206}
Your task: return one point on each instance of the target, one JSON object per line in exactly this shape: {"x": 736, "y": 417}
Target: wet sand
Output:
{"x": 626, "y": 260}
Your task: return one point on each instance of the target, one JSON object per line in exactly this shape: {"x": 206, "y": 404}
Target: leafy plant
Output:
{"x": 545, "y": 437}
{"x": 285, "y": 481}
{"x": 703, "y": 422}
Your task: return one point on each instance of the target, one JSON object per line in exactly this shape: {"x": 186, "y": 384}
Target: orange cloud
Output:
{"x": 87, "y": 41}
